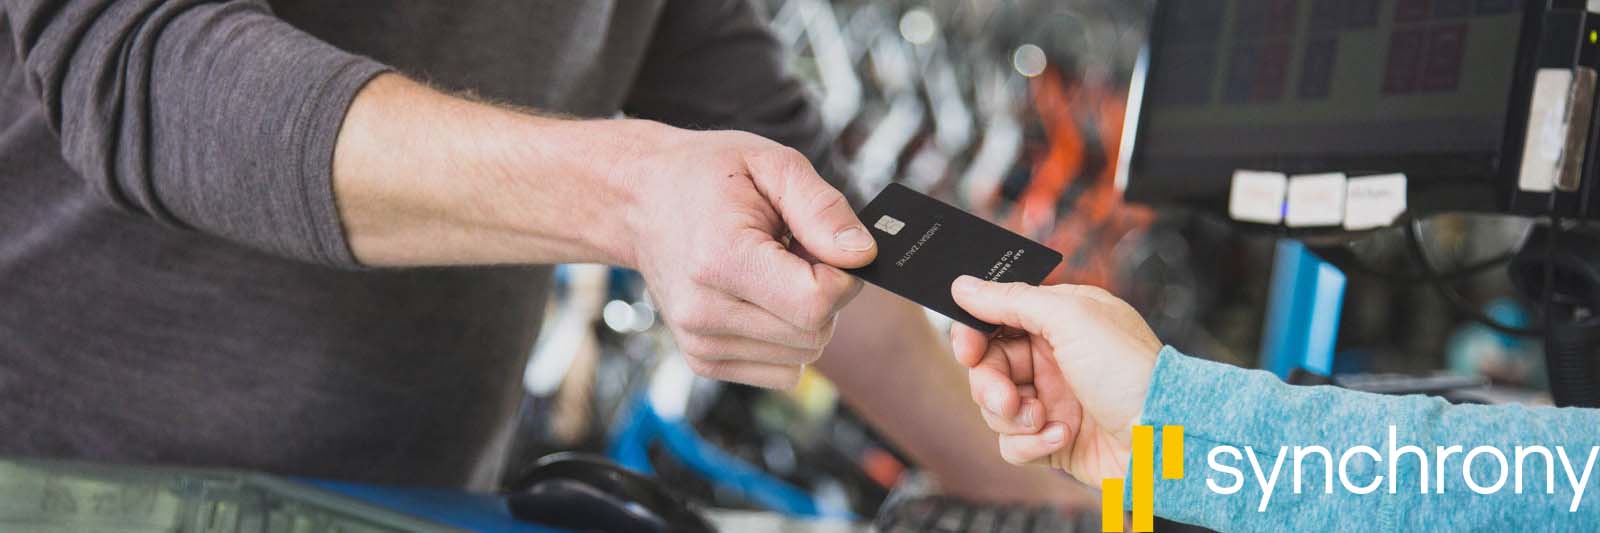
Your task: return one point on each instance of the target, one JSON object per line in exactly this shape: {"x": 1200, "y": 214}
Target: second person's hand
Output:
{"x": 1066, "y": 379}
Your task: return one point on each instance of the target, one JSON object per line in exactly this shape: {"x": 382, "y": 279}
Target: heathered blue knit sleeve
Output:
{"x": 1271, "y": 426}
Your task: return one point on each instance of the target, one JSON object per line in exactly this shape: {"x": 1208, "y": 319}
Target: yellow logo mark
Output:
{"x": 1144, "y": 482}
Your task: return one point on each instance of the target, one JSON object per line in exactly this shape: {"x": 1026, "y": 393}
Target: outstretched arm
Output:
{"x": 424, "y": 178}
{"x": 1258, "y": 454}
{"x": 219, "y": 117}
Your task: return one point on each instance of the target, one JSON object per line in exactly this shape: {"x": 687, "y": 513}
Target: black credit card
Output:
{"x": 925, "y": 244}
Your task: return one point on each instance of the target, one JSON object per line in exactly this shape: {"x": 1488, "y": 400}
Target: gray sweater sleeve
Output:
{"x": 714, "y": 64}
{"x": 213, "y": 116}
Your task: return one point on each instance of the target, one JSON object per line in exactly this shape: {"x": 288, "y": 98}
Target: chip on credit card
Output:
{"x": 925, "y": 244}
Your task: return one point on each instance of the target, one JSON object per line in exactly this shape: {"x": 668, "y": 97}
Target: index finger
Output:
{"x": 803, "y": 294}
{"x": 1018, "y": 305}
{"x": 818, "y": 214}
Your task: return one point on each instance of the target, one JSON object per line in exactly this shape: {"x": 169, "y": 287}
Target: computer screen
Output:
{"x": 1418, "y": 86}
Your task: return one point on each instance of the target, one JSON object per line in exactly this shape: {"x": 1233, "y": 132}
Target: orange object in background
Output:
{"x": 1053, "y": 99}
{"x": 1087, "y": 227}
{"x": 882, "y": 467}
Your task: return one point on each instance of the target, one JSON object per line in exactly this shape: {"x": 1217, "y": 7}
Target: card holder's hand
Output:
{"x": 1065, "y": 380}
{"x": 709, "y": 218}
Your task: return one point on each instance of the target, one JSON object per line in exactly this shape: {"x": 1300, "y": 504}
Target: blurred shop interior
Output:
{"x": 1013, "y": 110}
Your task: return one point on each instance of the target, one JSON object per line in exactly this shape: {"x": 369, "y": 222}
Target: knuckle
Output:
{"x": 705, "y": 270}
{"x": 781, "y": 159}
{"x": 817, "y": 314}
{"x": 788, "y": 157}
{"x": 697, "y": 347}
{"x": 825, "y": 335}
{"x": 807, "y": 340}
{"x": 1100, "y": 292}
{"x": 1087, "y": 292}
{"x": 714, "y": 370}
{"x": 759, "y": 155}
{"x": 695, "y": 322}
{"x": 689, "y": 314}
{"x": 730, "y": 160}
{"x": 811, "y": 356}
{"x": 834, "y": 287}
{"x": 1093, "y": 292}
{"x": 826, "y": 199}
{"x": 1066, "y": 297}
{"x": 743, "y": 138}
{"x": 705, "y": 368}
{"x": 853, "y": 287}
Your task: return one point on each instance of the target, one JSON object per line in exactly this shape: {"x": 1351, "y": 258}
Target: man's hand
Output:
{"x": 711, "y": 215}
{"x": 424, "y": 178}
{"x": 1065, "y": 382}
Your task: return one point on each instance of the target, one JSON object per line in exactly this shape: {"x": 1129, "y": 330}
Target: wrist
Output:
{"x": 593, "y": 198}
{"x": 614, "y": 164}
{"x": 1141, "y": 393}
{"x": 423, "y": 178}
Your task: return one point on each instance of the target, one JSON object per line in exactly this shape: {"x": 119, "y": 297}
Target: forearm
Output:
{"x": 204, "y": 115}
{"x": 425, "y": 178}
{"x": 1253, "y": 411}
{"x": 219, "y": 117}
{"x": 894, "y": 369}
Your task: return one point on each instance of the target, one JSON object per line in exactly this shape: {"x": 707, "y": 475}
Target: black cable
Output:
{"x": 1449, "y": 293}
{"x": 1353, "y": 261}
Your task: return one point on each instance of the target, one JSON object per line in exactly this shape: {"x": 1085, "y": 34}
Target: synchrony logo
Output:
{"x": 1144, "y": 478}
{"x": 1502, "y": 469}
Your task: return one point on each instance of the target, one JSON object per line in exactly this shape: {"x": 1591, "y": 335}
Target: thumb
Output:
{"x": 817, "y": 214}
{"x": 1017, "y": 305}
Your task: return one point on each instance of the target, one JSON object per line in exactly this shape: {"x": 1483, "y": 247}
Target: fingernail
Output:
{"x": 994, "y": 401}
{"x": 854, "y": 239}
{"x": 1055, "y": 435}
{"x": 966, "y": 285}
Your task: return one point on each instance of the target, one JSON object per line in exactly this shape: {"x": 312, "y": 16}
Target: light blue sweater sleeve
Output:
{"x": 1259, "y": 416}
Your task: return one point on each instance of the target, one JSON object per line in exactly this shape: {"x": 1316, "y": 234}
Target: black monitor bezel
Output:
{"x": 1438, "y": 182}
